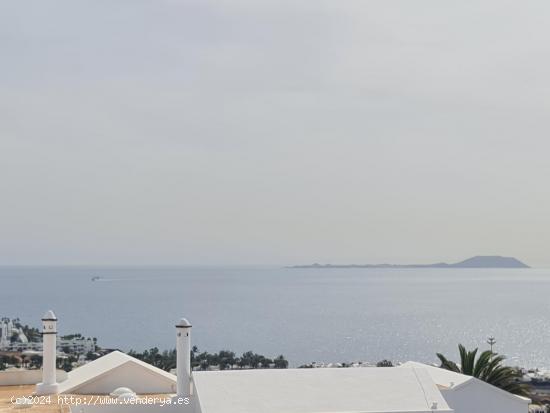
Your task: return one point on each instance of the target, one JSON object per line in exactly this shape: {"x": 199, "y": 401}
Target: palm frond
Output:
{"x": 448, "y": 364}
{"x": 482, "y": 363}
{"x": 487, "y": 367}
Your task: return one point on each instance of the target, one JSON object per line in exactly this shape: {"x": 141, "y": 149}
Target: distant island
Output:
{"x": 480, "y": 261}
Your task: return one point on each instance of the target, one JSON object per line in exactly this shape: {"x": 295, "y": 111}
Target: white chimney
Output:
{"x": 49, "y": 353}
{"x": 183, "y": 361}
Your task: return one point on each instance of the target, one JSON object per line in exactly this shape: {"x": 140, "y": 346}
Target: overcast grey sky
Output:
{"x": 273, "y": 132}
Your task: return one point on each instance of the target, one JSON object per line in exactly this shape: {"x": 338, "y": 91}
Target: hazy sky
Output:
{"x": 273, "y": 132}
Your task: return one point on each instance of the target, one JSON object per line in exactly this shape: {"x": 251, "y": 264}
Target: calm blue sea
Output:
{"x": 329, "y": 315}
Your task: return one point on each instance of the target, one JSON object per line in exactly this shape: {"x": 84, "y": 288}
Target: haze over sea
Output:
{"x": 326, "y": 315}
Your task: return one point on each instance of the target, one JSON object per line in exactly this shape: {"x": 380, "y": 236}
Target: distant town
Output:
{"x": 15, "y": 336}
{"x": 21, "y": 347}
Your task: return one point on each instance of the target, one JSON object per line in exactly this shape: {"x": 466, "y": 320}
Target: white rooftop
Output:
{"x": 450, "y": 380}
{"x": 109, "y": 368}
{"x": 338, "y": 390}
{"x": 442, "y": 377}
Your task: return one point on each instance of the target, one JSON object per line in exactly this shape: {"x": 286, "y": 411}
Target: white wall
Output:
{"x": 134, "y": 376}
{"x": 137, "y": 408}
{"x": 21, "y": 377}
{"x": 477, "y": 397}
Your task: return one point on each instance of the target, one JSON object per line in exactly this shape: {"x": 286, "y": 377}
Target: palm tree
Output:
{"x": 488, "y": 367}
{"x": 280, "y": 362}
{"x": 384, "y": 363}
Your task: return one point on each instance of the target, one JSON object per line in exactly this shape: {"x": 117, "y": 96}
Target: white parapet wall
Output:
{"x": 137, "y": 407}
{"x": 21, "y": 377}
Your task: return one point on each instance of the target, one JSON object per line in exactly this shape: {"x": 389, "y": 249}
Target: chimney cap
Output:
{"x": 183, "y": 323}
{"x": 49, "y": 316}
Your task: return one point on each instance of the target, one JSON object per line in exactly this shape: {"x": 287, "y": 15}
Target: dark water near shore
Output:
{"x": 308, "y": 315}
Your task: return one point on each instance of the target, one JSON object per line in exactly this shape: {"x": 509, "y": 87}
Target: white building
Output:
{"x": 75, "y": 345}
{"x": 466, "y": 394}
{"x": 106, "y": 373}
{"x": 7, "y": 329}
{"x": 266, "y": 391}
{"x": 318, "y": 390}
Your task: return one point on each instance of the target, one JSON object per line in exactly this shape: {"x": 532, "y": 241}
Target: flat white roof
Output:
{"x": 321, "y": 390}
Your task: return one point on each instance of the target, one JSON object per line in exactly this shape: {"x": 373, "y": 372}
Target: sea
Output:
{"x": 307, "y": 315}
